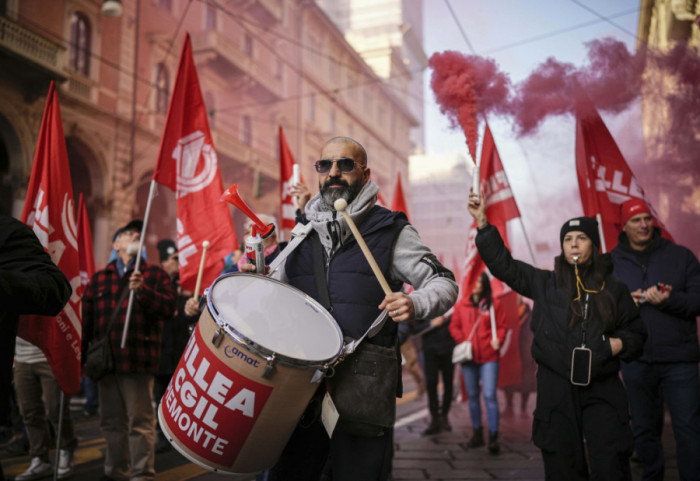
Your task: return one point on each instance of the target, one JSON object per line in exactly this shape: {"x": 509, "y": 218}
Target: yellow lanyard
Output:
{"x": 580, "y": 287}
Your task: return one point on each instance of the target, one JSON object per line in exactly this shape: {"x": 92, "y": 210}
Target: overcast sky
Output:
{"x": 519, "y": 35}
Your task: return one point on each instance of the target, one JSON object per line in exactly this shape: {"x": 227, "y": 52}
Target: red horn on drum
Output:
{"x": 232, "y": 196}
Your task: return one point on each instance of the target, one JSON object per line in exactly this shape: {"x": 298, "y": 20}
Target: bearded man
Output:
{"x": 356, "y": 299}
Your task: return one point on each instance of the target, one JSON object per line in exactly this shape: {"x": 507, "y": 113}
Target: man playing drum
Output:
{"x": 356, "y": 299}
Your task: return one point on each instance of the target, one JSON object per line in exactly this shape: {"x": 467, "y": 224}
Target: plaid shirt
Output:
{"x": 153, "y": 304}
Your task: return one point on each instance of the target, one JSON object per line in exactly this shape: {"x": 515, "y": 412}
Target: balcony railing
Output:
{"x": 265, "y": 11}
{"x": 30, "y": 46}
{"x": 232, "y": 62}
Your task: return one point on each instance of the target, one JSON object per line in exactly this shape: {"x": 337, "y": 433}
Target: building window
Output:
{"x": 350, "y": 83}
{"x": 332, "y": 68}
{"x": 211, "y": 111}
{"x": 279, "y": 68}
{"x": 209, "y": 17}
{"x": 246, "y": 131}
{"x": 162, "y": 88}
{"x": 311, "y": 108}
{"x": 248, "y": 44}
{"x": 80, "y": 43}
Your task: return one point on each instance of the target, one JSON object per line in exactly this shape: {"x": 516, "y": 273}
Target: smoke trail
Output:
{"x": 466, "y": 86}
{"x": 611, "y": 78}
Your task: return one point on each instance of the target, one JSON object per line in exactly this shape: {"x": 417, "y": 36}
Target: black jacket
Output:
{"x": 30, "y": 283}
{"x": 553, "y": 340}
{"x": 672, "y": 326}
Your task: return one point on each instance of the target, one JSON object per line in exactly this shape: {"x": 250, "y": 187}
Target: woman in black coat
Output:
{"x": 584, "y": 321}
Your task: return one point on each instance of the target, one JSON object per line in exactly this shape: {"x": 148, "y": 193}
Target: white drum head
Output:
{"x": 276, "y": 316}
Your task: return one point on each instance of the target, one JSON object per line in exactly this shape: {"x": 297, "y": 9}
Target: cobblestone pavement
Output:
{"x": 443, "y": 456}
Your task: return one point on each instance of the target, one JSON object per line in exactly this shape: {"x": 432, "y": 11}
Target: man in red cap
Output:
{"x": 664, "y": 279}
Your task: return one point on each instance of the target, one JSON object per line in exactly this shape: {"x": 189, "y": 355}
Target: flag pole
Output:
{"x": 151, "y": 192}
{"x": 599, "y": 218}
{"x": 527, "y": 239}
{"x": 58, "y": 435}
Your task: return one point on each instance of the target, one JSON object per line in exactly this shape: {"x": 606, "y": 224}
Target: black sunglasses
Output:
{"x": 345, "y": 165}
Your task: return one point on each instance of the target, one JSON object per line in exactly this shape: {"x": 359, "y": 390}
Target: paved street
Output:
{"x": 440, "y": 457}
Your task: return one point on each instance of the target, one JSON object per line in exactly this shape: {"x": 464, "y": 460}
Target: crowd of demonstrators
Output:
{"x": 176, "y": 331}
{"x": 665, "y": 282}
{"x": 584, "y": 322}
{"x": 357, "y": 299}
{"x": 437, "y": 345}
{"x": 30, "y": 283}
{"x": 471, "y": 321}
{"x": 528, "y": 367}
{"x": 127, "y": 417}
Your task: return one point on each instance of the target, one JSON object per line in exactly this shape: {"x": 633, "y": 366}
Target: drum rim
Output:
{"x": 260, "y": 350}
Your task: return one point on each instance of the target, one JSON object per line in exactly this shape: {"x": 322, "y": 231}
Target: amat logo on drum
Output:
{"x": 233, "y": 351}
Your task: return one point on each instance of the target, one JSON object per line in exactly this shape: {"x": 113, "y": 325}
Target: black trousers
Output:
{"x": 598, "y": 414}
{"x": 309, "y": 455}
{"x": 436, "y": 364}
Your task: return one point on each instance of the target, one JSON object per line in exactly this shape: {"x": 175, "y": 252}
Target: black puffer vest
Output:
{"x": 354, "y": 291}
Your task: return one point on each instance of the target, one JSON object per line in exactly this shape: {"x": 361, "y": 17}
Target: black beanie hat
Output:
{"x": 587, "y": 225}
{"x": 166, "y": 247}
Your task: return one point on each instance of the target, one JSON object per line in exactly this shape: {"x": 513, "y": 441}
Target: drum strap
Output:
{"x": 319, "y": 273}
{"x": 299, "y": 233}
{"x": 325, "y": 300}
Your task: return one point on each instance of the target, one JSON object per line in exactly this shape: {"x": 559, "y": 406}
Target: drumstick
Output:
{"x": 205, "y": 246}
{"x": 340, "y": 205}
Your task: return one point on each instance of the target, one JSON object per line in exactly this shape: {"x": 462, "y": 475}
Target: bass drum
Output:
{"x": 250, "y": 368}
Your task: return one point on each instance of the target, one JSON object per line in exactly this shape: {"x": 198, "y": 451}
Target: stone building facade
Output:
{"x": 261, "y": 64}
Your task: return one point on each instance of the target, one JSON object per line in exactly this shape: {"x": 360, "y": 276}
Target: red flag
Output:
{"x": 398, "y": 203}
{"x": 49, "y": 211}
{"x": 604, "y": 178}
{"x": 287, "y": 205}
{"x": 505, "y": 300}
{"x": 500, "y": 207}
{"x": 187, "y": 163}
{"x": 85, "y": 251}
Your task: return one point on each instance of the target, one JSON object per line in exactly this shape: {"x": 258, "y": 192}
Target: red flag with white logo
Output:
{"x": 85, "y": 250}
{"x": 187, "y": 163}
{"x": 398, "y": 203}
{"x": 287, "y": 166}
{"x": 49, "y": 211}
{"x": 500, "y": 207}
{"x": 604, "y": 178}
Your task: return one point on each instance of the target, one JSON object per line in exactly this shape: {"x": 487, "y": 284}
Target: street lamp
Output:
{"x": 112, "y": 8}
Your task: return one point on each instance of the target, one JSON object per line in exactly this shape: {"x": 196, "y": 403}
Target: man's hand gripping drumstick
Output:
{"x": 399, "y": 305}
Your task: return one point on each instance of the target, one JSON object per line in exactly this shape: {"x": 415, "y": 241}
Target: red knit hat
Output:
{"x": 632, "y": 207}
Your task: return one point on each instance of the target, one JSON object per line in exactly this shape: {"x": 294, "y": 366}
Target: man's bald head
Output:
{"x": 359, "y": 149}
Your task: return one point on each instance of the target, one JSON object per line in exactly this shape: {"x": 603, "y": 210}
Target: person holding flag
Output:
{"x": 665, "y": 282}
{"x": 584, "y": 322}
{"x": 30, "y": 283}
{"x": 127, "y": 417}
